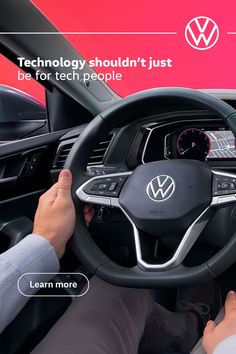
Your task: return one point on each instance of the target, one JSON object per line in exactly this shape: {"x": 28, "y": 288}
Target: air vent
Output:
{"x": 99, "y": 152}
{"x": 96, "y": 158}
{"x": 62, "y": 153}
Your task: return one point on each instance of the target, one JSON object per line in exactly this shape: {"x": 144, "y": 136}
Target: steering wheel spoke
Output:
{"x": 187, "y": 241}
{"x": 103, "y": 190}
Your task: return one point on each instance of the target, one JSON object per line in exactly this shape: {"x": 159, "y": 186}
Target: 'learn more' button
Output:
{"x": 53, "y": 284}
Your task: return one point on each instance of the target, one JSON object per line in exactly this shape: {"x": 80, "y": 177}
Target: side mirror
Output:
{"x": 21, "y": 115}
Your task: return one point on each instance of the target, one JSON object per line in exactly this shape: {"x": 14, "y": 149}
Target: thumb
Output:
{"x": 210, "y": 326}
{"x": 230, "y": 303}
{"x": 64, "y": 183}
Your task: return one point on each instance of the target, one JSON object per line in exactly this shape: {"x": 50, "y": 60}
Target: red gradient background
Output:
{"x": 213, "y": 68}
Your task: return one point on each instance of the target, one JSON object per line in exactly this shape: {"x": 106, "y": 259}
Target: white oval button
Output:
{"x": 53, "y": 284}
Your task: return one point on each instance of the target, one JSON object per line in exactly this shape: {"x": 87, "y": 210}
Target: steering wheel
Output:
{"x": 158, "y": 198}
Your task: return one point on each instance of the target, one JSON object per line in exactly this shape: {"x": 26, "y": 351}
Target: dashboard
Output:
{"x": 185, "y": 134}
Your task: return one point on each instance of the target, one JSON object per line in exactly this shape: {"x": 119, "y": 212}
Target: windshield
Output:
{"x": 167, "y": 21}
{"x": 150, "y": 43}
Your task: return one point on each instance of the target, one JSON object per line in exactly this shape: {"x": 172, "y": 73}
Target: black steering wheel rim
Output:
{"x": 124, "y": 112}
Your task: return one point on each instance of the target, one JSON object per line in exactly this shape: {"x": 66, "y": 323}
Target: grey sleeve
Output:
{"x": 34, "y": 254}
{"x": 226, "y": 346}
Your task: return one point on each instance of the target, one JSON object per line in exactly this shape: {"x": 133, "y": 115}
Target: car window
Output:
{"x": 22, "y": 104}
{"x": 8, "y": 76}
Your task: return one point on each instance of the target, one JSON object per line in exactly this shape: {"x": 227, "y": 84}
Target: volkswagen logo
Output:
{"x": 161, "y": 188}
{"x": 202, "y": 33}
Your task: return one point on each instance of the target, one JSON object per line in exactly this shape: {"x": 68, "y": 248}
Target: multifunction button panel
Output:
{"x": 223, "y": 185}
{"x": 107, "y": 187}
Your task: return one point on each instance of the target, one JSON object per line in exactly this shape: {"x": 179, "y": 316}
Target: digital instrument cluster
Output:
{"x": 201, "y": 144}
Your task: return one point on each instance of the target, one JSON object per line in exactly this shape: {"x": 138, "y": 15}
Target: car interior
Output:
{"x": 115, "y": 148}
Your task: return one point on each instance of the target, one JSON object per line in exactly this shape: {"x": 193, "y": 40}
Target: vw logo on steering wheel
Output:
{"x": 160, "y": 188}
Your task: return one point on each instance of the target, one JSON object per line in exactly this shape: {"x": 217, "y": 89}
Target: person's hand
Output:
{"x": 89, "y": 213}
{"x": 55, "y": 215}
{"x": 214, "y": 334}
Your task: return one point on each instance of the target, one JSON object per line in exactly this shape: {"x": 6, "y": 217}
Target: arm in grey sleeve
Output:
{"x": 34, "y": 254}
{"x": 226, "y": 346}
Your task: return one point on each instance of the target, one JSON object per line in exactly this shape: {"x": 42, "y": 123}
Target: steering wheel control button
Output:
{"x": 107, "y": 186}
{"x": 223, "y": 185}
{"x": 113, "y": 186}
{"x": 225, "y": 179}
{"x": 101, "y": 186}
